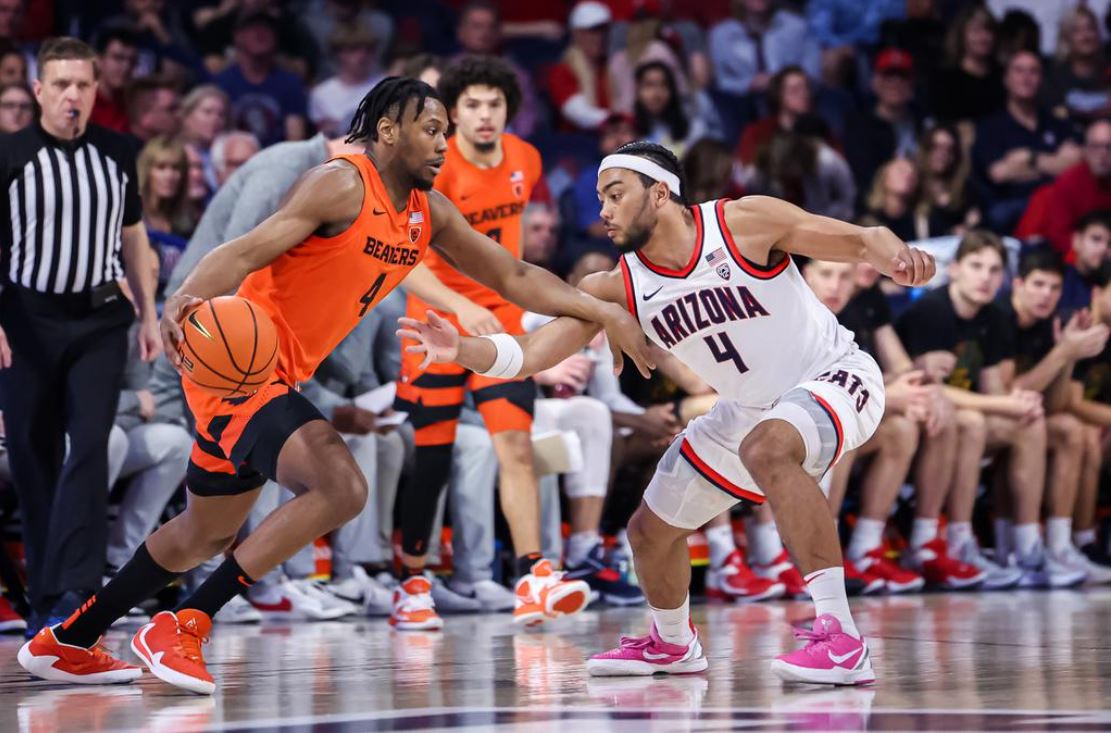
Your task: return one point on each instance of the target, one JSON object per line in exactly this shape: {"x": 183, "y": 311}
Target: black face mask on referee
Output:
{"x": 73, "y": 232}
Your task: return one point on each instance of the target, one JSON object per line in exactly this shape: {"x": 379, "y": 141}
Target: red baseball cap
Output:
{"x": 894, "y": 60}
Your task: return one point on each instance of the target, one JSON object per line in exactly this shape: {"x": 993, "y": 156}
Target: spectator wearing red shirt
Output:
{"x": 580, "y": 85}
{"x": 1080, "y": 189}
{"x": 117, "y": 53}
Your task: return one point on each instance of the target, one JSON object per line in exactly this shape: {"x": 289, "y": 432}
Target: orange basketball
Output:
{"x": 230, "y": 347}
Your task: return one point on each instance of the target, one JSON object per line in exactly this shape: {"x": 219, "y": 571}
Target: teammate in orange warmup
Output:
{"x": 346, "y": 235}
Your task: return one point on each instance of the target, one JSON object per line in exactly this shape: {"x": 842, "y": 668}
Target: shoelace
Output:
{"x": 102, "y": 654}
{"x": 817, "y": 640}
{"x": 636, "y": 642}
{"x": 189, "y": 644}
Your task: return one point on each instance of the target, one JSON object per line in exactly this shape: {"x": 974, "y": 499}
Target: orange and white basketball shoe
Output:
{"x": 170, "y": 646}
{"x": 47, "y": 658}
{"x": 413, "y": 607}
{"x": 543, "y": 595}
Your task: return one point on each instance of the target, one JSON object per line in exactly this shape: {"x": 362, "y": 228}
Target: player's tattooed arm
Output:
{"x": 534, "y": 288}
{"x": 762, "y": 225}
{"x": 326, "y": 198}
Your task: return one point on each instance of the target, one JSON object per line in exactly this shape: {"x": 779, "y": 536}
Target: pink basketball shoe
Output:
{"x": 647, "y": 655}
{"x": 831, "y": 657}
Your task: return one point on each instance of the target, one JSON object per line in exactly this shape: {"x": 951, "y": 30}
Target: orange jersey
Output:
{"x": 317, "y": 292}
{"x": 493, "y": 202}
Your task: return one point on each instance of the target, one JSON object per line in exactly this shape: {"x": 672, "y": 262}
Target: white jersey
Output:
{"x": 752, "y": 332}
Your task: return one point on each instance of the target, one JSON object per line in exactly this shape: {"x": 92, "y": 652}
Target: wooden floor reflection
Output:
{"x": 1012, "y": 661}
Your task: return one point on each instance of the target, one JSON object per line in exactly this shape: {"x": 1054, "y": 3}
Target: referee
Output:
{"x": 74, "y": 228}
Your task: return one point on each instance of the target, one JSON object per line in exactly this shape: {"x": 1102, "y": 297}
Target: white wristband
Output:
{"x": 508, "y": 357}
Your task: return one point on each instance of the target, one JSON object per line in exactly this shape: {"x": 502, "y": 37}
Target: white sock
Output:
{"x": 1004, "y": 539}
{"x": 1026, "y": 538}
{"x": 827, "y": 589}
{"x": 1058, "y": 533}
{"x": 764, "y": 543}
{"x": 867, "y": 536}
{"x": 674, "y": 625}
{"x": 1084, "y": 537}
{"x": 721, "y": 544}
{"x": 579, "y": 545}
{"x": 924, "y": 531}
{"x": 958, "y": 533}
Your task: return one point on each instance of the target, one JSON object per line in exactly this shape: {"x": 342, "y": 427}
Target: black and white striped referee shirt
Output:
{"x": 66, "y": 203}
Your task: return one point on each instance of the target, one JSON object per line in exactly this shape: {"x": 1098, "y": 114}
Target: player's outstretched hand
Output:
{"x": 912, "y": 267}
{"x": 627, "y": 337}
{"x": 173, "y": 312}
{"x": 437, "y": 339}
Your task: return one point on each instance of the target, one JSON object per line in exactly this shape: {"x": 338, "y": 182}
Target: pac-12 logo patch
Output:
{"x": 517, "y": 179}
{"x": 416, "y": 219}
{"x": 718, "y": 260}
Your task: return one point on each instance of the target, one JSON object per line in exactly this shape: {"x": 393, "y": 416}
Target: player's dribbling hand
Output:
{"x": 912, "y": 267}
{"x": 172, "y": 314}
{"x": 627, "y": 337}
{"x": 437, "y": 339}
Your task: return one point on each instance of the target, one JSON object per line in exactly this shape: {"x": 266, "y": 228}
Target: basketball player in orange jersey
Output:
{"x": 346, "y": 235}
{"x": 489, "y": 174}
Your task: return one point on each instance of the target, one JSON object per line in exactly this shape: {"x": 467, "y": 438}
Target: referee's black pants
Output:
{"x": 67, "y": 369}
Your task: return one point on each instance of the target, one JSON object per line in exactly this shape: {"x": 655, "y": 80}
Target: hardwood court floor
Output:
{"x": 1020, "y": 661}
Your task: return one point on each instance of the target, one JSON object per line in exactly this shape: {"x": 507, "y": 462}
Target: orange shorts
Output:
{"x": 236, "y": 442}
{"x": 434, "y": 397}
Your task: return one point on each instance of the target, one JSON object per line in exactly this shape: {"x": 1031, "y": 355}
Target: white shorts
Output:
{"x": 701, "y": 474}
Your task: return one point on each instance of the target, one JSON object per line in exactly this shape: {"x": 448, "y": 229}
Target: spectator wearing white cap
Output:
{"x": 580, "y": 85}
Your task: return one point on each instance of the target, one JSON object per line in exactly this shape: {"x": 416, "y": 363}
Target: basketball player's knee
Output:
{"x": 639, "y": 531}
{"x": 348, "y": 494}
{"x": 769, "y": 449}
{"x": 514, "y": 448}
{"x": 1031, "y": 435}
{"x": 589, "y": 415}
{"x": 904, "y": 435}
{"x": 973, "y": 428}
{"x": 1068, "y": 433}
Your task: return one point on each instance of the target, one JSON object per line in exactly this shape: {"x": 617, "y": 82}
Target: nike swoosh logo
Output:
{"x": 649, "y": 296}
{"x": 199, "y": 326}
{"x": 379, "y": 212}
{"x": 840, "y": 658}
{"x": 146, "y": 648}
{"x": 243, "y": 580}
{"x": 652, "y": 657}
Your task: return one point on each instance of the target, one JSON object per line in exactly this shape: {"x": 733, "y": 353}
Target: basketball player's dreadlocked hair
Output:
{"x": 664, "y": 158}
{"x": 388, "y": 98}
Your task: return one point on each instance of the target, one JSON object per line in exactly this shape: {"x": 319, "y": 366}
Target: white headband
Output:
{"x": 642, "y": 165}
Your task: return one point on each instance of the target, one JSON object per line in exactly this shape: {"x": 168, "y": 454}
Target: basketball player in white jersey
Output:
{"x": 714, "y": 284}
